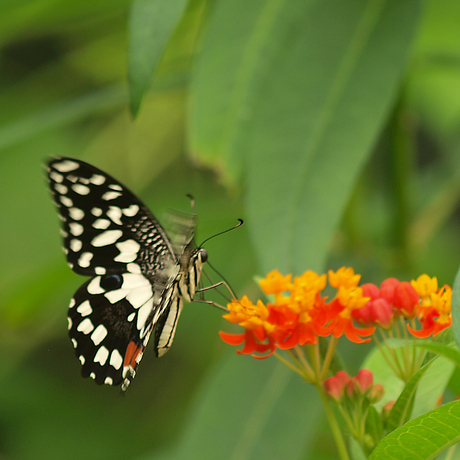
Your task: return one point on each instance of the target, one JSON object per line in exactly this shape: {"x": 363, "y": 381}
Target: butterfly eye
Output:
{"x": 111, "y": 282}
{"x": 203, "y": 255}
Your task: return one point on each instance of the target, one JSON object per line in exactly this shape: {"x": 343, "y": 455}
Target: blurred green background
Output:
{"x": 331, "y": 127}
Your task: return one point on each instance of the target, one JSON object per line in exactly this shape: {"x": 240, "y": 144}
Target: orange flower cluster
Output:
{"x": 419, "y": 299}
{"x": 298, "y": 314}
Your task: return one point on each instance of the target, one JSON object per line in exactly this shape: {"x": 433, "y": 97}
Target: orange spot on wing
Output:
{"x": 131, "y": 354}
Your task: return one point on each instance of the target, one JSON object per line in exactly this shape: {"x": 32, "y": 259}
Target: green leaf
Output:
{"x": 374, "y": 426}
{"x": 422, "y": 438}
{"x": 453, "y": 354}
{"x": 151, "y": 24}
{"x": 431, "y": 386}
{"x": 298, "y": 92}
{"x": 402, "y": 409}
{"x": 248, "y": 410}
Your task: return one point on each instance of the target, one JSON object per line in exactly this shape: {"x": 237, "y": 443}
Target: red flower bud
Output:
{"x": 406, "y": 299}
{"x": 386, "y": 409}
{"x": 387, "y": 289}
{"x": 370, "y": 290}
{"x": 382, "y": 313}
{"x": 364, "y": 378}
{"x": 376, "y": 393}
{"x": 343, "y": 377}
{"x": 334, "y": 388}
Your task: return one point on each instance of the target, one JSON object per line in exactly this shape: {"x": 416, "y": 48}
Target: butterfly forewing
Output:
{"x": 138, "y": 279}
{"x": 106, "y": 228}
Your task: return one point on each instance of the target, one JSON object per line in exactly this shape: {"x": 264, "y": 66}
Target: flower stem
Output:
{"x": 336, "y": 432}
{"x": 290, "y": 365}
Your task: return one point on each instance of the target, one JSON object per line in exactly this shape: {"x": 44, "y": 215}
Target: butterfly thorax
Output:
{"x": 191, "y": 269}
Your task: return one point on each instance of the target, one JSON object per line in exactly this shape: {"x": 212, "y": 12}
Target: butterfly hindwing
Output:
{"x": 110, "y": 320}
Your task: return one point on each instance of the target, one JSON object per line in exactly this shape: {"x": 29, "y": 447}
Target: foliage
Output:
{"x": 331, "y": 128}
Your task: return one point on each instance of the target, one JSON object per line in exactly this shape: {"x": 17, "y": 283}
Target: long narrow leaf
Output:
{"x": 297, "y": 92}
{"x": 402, "y": 409}
{"x": 151, "y": 24}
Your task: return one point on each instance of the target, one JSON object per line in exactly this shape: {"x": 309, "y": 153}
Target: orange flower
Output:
{"x": 343, "y": 277}
{"x": 341, "y": 309}
{"x": 434, "y": 313}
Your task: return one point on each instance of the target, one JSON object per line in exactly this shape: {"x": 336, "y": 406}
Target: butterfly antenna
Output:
{"x": 239, "y": 224}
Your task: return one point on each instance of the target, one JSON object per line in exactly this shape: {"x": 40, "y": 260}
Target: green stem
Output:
{"x": 291, "y": 366}
{"x": 386, "y": 357}
{"x": 336, "y": 432}
{"x": 328, "y": 358}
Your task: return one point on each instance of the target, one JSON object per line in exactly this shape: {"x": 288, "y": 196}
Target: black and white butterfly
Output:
{"x": 139, "y": 276}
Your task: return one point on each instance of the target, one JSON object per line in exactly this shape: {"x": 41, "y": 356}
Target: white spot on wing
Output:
{"x": 62, "y": 189}
{"x": 116, "y": 360}
{"x": 74, "y": 342}
{"x": 131, "y": 211}
{"x": 75, "y": 228}
{"x": 101, "y": 224}
{"x": 116, "y": 295}
{"x": 75, "y": 245}
{"x": 101, "y": 356}
{"x": 114, "y": 213}
{"x": 110, "y": 195}
{"x": 99, "y": 334}
{"x": 96, "y": 212}
{"x": 66, "y": 166}
{"x": 134, "y": 281}
{"x": 133, "y": 268}
{"x": 97, "y": 179}
{"x": 143, "y": 313}
{"x": 106, "y": 238}
{"x": 131, "y": 316}
{"x": 80, "y": 189}
{"x": 116, "y": 187}
{"x": 128, "y": 251}
{"x": 85, "y": 308}
{"x": 69, "y": 323}
{"x": 66, "y": 201}
{"x": 94, "y": 287}
{"x": 86, "y": 326}
{"x": 82, "y": 359}
{"x": 56, "y": 176}
{"x": 72, "y": 303}
{"x": 100, "y": 270}
{"x": 84, "y": 260}
{"x": 76, "y": 213}
{"x": 108, "y": 381}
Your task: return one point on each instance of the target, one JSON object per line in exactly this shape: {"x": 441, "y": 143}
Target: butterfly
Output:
{"x": 139, "y": 276}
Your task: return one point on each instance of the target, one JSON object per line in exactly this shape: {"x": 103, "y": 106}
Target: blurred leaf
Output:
{"x": 374, "y": 424}
{"x": 289, "y": 89}
{"x": 422, "y": 438}
{"x": 62, "y": 114}
{"x": 453, "y": 354}
{"x": 402, "y": 409}
{"x": 431, "y": 386}
{"x": 248, "y": 410}
{"x": 152, "y": 22}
